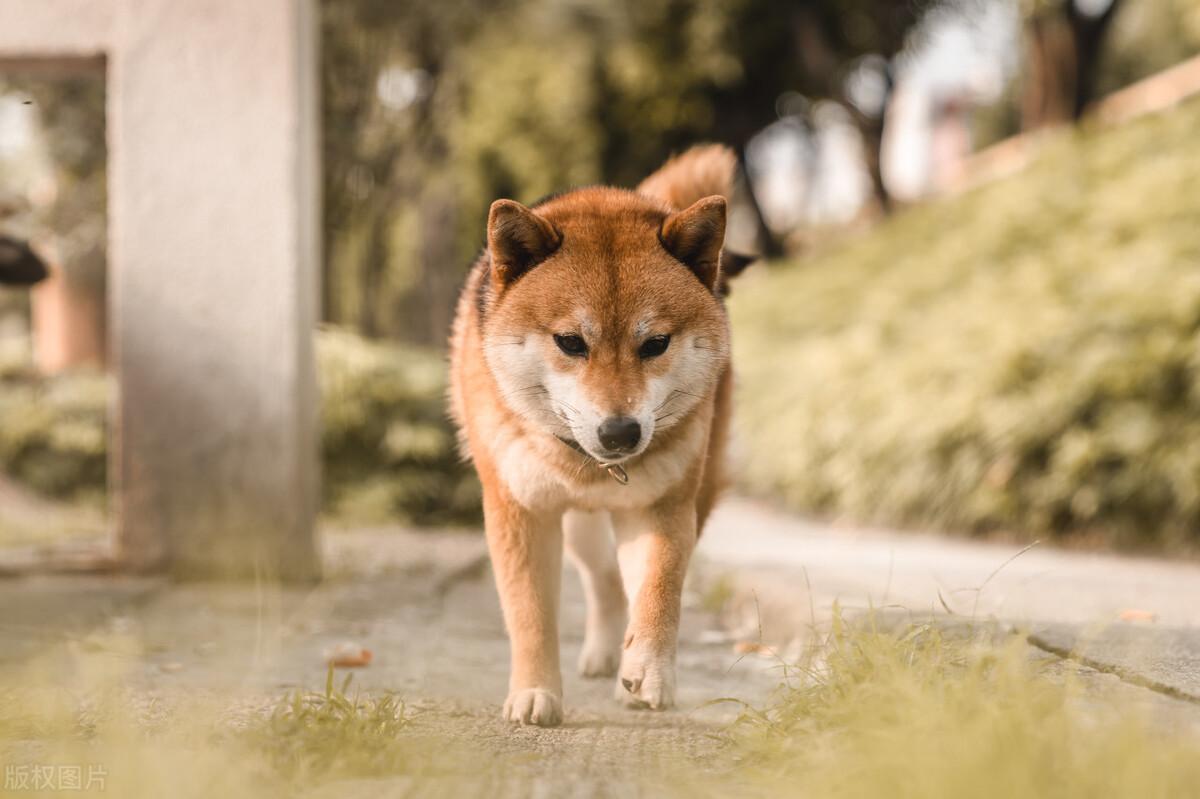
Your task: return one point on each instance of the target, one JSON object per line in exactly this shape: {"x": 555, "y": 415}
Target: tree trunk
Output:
{"x": 872, "y": 136}
{"x": 1050, "y": 72}
{"x": 1088, "y": 35}
{"x": 871, "y": 129}
{"x": 768, "y": 242}
{"x": 375, "y": 261}
{"x": 440, "y": 267}
{"x": 1064, "y": 49}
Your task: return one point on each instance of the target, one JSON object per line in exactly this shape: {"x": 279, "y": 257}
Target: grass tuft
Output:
{"x": 915, "y": 711}
{"x": 310, "y": 735}
{"x": 196, "y": 746}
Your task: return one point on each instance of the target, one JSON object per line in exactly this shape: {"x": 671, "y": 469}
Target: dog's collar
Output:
{"x": 615, "y": 471}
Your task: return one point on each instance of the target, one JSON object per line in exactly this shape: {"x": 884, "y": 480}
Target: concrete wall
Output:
{"x": 214, "y": 233}
{"x": 56, "y": 28}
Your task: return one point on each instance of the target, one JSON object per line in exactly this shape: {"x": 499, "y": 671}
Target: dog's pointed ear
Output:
{"x": 518, "y": 239}
{"x": 695, "y": 236}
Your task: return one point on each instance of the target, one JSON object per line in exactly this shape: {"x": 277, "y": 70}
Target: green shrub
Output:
{"x": 1025, "y": 357}
{"x": 389, "y": 450}
{"x": 52, "y": 432}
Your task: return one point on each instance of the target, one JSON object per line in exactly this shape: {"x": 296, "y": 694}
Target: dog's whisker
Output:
{"x": 566, "y": 414}
{"x": 540, "y": 411}
{"x": 567, "y": 405}
{"x": 534, "y": 390}
{"x": 674, "y": 395}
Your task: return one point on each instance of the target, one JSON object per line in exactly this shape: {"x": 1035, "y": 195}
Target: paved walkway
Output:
{"x": 1139, "y": 617}
{"x": 424, "y": 603}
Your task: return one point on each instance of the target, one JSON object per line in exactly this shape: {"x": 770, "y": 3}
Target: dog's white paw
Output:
{"x": 599, "y": 659}
{"x": 538, "y": 706}
{"x": 601, "y": 653}
{"x": 646, "y": 679}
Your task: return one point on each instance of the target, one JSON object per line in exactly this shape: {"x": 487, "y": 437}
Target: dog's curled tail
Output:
{"x": 700, "y": 172}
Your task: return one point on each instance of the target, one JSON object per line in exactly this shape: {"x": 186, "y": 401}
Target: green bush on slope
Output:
{"x": 1025, "y": 357}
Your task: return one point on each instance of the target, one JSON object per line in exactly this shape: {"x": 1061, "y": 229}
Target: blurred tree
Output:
{"x": 387, "y": 81}
{"x": 433, "y": 110}
{"x": 571, "y": 93}
{"x": 847, "y": 52}
{"x": 1064, "y": 43}
{"x": 1147, "y": 37}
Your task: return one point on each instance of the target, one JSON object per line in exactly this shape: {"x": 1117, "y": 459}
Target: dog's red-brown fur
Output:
{"x": 611, "y": 268}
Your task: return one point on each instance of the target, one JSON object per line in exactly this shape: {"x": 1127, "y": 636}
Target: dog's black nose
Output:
{"x": 620, "y": 433}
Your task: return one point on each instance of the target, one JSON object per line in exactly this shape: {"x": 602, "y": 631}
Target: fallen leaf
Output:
{"x": 1132, "y": 614}
{"x": 348, "y": 655}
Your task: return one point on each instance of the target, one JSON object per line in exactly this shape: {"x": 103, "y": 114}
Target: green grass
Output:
{"x": 311, "y": 736}
{"x": 191, "y": 746}
{"x": 913, "y": 712}
{"x": 1023, "y": 358}
{"x": 871, "y": 710}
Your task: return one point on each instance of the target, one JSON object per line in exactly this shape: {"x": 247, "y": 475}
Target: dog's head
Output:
{"x": 603, "y": 324}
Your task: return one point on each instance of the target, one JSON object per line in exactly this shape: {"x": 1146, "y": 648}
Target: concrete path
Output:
{"x": 1136, "y": 617}
{"x": 425, "y": 604}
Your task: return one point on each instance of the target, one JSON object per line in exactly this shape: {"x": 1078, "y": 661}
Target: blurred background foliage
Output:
{"x": 1023, "y": 358}
{"x": 433, "y": 110}
{"x": 840, "y": 111}
{"x": 389, "y": 455}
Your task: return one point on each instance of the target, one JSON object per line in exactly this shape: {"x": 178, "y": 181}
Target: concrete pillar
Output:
{"x": 214, "y": 225}
{"x": 55, "y": 29}
{"x": 214, "y": 235}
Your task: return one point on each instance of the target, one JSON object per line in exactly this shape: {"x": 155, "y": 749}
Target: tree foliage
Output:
{"x": 524, "y": 97}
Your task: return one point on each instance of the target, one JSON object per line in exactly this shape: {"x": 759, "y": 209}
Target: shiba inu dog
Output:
{"x": 590, "y": 381}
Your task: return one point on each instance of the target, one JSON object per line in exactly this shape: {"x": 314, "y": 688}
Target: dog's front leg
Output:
{"x": 526, "y": 550}
{"x": 654, "y": 546}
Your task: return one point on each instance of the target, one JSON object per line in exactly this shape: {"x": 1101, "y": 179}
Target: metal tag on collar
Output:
{"x": 616, "y": 472}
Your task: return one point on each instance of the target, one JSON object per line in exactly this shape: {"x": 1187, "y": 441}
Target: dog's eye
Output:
{"x": 653, "y": 347}
{"x": 571, "y": 344}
